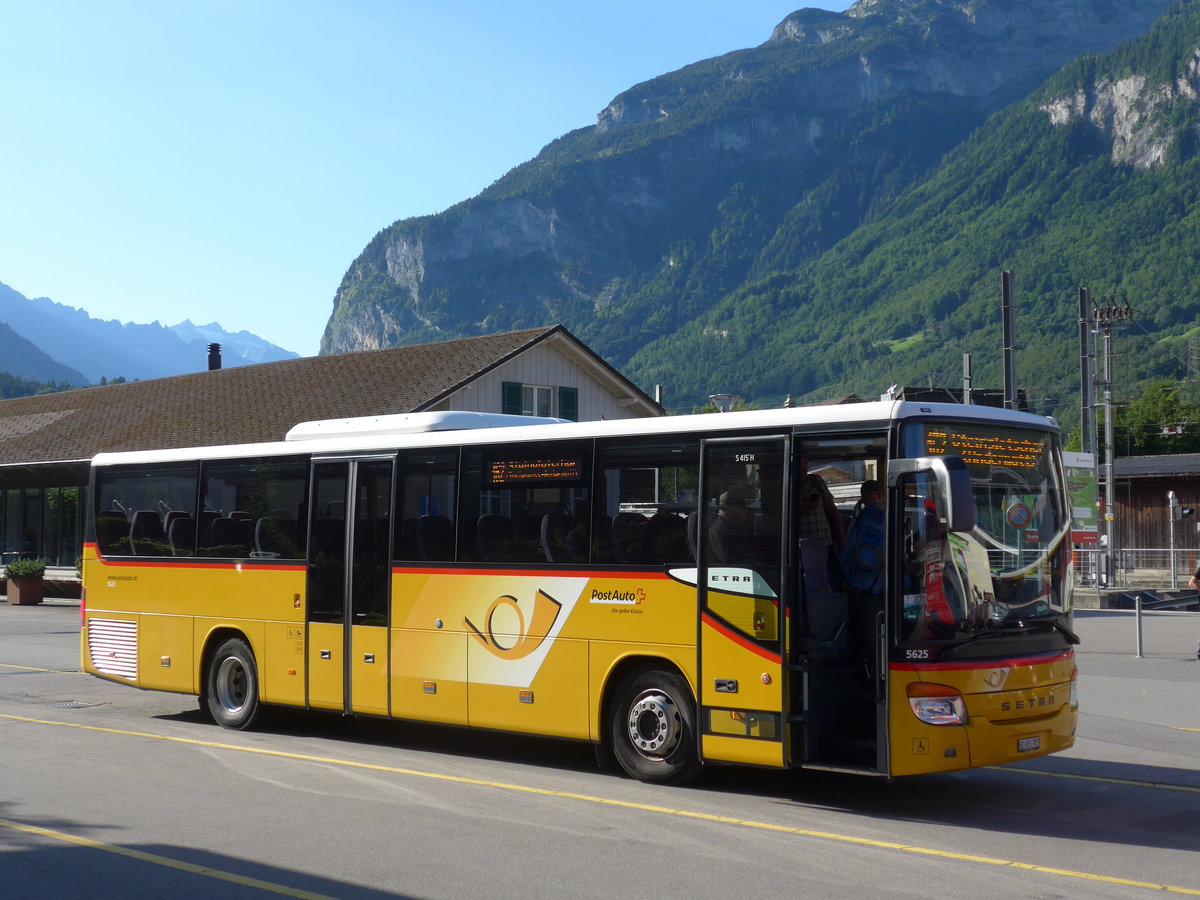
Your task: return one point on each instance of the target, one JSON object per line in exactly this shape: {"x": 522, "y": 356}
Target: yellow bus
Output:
{"x": 674, "y": 590}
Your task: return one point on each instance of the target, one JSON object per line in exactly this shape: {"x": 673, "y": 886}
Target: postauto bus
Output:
{"x": 583, "y": 581}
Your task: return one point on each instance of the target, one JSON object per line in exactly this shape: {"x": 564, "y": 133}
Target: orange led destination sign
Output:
{"x": 985, "y": 450}
{"x": 519, "y": 471}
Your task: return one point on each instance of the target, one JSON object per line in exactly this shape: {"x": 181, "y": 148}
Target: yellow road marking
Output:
{"x": 36, "y": 669}
{"x": 140, "y": 856}
{"x": 643, "y": 807}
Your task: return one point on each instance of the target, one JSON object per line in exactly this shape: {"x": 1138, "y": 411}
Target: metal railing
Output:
{"x": 1141, "y": 567}
{"x": 1146, "y": 601}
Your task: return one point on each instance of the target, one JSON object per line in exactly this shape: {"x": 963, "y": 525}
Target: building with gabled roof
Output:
{"x": 47, "y": 441}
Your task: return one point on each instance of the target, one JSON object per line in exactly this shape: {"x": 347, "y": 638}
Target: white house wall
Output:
{"x": 546, "y": 367}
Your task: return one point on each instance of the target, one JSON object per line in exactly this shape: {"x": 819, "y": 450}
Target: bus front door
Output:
{"x": 742, "y": 585}
{"x": 349, "y": 584}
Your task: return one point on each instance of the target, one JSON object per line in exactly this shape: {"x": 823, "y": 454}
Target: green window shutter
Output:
{"x": 512, "y": 398}
{"x": 568, "y": 403}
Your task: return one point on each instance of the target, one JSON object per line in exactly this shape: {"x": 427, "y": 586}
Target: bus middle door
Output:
{"x": 741, "y": 589}
{"x": 349, "y": 585}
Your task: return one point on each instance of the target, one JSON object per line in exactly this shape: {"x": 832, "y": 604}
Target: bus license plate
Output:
{"x": 1024, "y": 745}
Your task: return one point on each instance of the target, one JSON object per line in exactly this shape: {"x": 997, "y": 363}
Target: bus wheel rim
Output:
{"x": 655, "y": 724}
{"x": 231, "y": 684}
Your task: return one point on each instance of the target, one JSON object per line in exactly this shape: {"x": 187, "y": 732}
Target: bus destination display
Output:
{"x": 542, "y": 471}
{"x": 985, "y": 449}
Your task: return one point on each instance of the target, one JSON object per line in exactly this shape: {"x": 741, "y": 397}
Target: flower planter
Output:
{"x": 25, "y": 591}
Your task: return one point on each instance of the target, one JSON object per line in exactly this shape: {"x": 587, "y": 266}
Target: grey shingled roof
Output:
{"x": 250, "y": 403}
{"x": 1156, "y": 466}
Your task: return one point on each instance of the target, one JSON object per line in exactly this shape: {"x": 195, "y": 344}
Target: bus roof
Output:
{"x": 379, "y": 433}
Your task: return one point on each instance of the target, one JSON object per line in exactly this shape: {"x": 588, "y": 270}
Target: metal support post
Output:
{"x": 1138, "y": 607}
{"x": 1172, "y": 517}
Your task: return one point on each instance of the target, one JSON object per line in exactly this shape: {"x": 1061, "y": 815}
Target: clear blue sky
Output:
{"x": 226, "y": 160}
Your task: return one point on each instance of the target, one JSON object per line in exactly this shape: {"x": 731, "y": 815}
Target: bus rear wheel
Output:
{"x": 652, "y": 727}
{"x": 232, "y": 686}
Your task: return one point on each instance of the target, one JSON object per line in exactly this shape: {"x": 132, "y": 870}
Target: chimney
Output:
{"x": 214, "y": 356}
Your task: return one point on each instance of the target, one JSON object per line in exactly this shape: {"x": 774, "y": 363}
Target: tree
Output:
{"x": 1156, "y": 423}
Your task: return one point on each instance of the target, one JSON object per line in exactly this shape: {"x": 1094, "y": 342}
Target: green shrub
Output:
{"x": 25, "y": 568}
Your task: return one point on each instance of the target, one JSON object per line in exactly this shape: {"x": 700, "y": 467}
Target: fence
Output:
{"x": 1135, "y": 568}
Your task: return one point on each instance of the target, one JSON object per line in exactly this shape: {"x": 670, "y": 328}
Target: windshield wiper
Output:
{"x": 1014, "y": 628}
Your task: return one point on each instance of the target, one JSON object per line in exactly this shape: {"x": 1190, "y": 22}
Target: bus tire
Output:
{"x": 652, "y": 727}
{"x": 232, "y": 686}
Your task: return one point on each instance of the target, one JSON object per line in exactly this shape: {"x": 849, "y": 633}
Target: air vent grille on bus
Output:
{"x": 112, "y": 644}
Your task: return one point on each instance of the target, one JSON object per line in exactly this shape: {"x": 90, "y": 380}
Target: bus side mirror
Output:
{"x": 954, "y": 482}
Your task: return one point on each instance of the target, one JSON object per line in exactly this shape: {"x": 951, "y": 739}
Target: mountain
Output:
{"x": 24, "y": 359}
{"x": 99, "y": 349}
{"x": 703, "y": 199}
{"x": 1094, "y": 179}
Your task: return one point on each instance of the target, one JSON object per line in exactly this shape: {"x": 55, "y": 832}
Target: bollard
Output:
{"x": 1138, "y": 606}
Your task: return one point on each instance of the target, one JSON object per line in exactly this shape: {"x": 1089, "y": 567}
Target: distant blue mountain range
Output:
{"x": 53, "y": 342}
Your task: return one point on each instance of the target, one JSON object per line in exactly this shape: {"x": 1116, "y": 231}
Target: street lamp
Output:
{"x": 724, "y": 402}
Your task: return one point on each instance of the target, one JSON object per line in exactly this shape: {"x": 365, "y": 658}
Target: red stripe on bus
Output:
{"x": 176, "y": 563}
{"x": 739, "y": 639}
{"x": 1038, "y": 660}
{"x": 539, "y": 573}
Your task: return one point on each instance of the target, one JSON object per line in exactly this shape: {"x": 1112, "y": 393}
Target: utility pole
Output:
{"x": 1108, "y": 319}
{"x": 1010, "y": 349}
{"x": 1087, "y": 377}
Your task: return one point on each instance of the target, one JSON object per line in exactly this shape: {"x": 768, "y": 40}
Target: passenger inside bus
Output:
{"x": 820, "y": 531}
{"x": 730, "y": 536}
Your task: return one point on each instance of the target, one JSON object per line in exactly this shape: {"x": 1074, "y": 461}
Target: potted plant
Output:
{"x": 25, "y": 587}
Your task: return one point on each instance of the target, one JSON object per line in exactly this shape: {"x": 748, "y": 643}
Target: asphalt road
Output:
{"x": 105, "y": 790}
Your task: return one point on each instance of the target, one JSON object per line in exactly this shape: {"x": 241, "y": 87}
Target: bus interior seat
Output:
{"x": 231, "y": 537}
{"x": 146, "y": 535}
{"x": 276, "y": 537}
{"x": 435, "y": 538}
{"x": 181, "y": 535}
{"x": 555, "y": 527}
{"x": 204, "y": 525}
{"x": 112, "y": 533}
{"x": 666, "y": 539}
{"x": 494, "y": 537}
{"x": 629, "y": 537}
{"x": 170, "y": 516}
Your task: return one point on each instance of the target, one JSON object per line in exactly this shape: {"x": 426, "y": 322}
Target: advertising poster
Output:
{"x": 1083, "y": 492}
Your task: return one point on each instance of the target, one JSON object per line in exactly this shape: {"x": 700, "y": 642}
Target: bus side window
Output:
{"x": 510, "y": 491}
{"x": 427, "y": 491}
{"x": 252, "y": 509}
{"x": 647, "y": 488}
{"x": 133, "y": 507}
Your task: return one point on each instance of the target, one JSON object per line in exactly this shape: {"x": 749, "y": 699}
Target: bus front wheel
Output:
{"x": 652, "y": 727}
{"x": 232, "y": 686}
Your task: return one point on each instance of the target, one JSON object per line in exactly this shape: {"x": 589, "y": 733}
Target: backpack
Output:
{"x": 863, "y": 557}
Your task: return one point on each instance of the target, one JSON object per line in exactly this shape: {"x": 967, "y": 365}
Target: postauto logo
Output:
{"x": 627, "y": 598}
{"x": 505, "y": 633}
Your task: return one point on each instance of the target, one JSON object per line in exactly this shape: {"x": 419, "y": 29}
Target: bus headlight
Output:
{"x": 937, "y": 704}
{"x": 1073, "y": 699}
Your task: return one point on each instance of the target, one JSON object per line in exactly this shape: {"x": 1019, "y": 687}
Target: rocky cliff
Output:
{"x": 700, "y": 181}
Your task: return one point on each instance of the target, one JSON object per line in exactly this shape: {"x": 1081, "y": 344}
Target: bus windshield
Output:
{"x": 1009, "y": 575}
